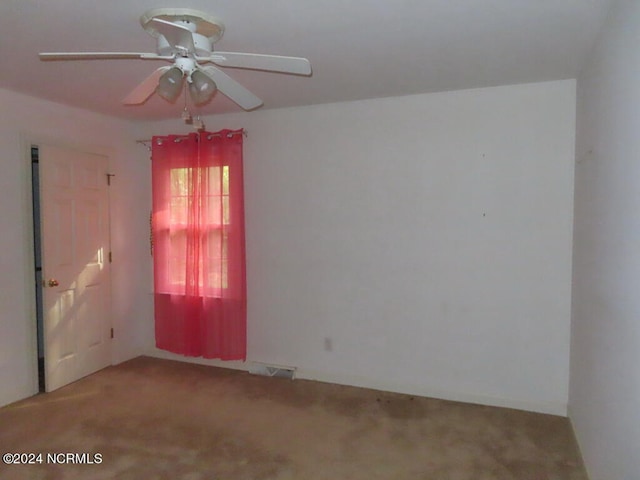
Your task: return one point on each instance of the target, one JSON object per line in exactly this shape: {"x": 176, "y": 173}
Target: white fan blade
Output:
{"x": 232, "y": 89}
{"x": 254, "y": 61}
{"x": 178, "y": 36}
{"x": 100, "y": 56}
{"x": 146, "y": 88}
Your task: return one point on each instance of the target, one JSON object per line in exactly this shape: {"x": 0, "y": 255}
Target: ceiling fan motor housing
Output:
{"x": 203, "y": 46}
{"x": 206, "y": 29}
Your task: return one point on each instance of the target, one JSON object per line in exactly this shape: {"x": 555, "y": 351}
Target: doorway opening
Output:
{"x": 37, "y": 249}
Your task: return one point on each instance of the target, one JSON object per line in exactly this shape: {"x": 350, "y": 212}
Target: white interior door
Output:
{"x": 75, "y": 264}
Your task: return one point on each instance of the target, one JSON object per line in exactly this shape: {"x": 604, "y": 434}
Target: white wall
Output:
{"x": 428, "y": 237}
{"x": 605, "y": 350}
{"x": 27, "y": 119}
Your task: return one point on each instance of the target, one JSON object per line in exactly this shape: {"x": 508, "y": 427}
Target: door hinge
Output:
{"x": 109, "y": 175}
{"x": 112, "y": 333}
{"x": 110, "y": 257}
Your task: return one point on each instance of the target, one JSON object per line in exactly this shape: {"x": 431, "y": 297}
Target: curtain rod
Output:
{"x": 178, "y": 138}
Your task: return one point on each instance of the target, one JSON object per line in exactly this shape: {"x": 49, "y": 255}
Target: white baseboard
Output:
{"x": 550, "y": 408}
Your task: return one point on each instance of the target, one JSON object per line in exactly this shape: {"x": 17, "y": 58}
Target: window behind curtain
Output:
{"x": 215, "y": 237}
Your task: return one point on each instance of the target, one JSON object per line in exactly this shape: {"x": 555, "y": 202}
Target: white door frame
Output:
{"x": 28, "y": 140}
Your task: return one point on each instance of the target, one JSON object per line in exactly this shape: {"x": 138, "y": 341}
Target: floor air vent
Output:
{"x": 272, "y": 371}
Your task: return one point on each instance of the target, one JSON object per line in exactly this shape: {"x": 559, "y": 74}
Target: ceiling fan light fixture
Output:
{"x": 201, "y": 87}
{"x": 170, "y": 84}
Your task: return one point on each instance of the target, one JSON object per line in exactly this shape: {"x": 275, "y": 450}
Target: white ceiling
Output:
{"x": 358, "y": 48}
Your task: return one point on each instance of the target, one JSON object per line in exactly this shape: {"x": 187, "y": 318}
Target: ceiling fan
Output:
{"x": 185, "y": 38}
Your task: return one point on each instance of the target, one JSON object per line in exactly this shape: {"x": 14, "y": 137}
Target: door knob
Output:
{"x": 52, "y": 282}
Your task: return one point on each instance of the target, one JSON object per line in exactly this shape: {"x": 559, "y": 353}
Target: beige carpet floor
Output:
{"x": 158, "y": 419}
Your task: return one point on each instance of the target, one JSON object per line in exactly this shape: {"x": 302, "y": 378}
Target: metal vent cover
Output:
{"x": 272, "y": 371}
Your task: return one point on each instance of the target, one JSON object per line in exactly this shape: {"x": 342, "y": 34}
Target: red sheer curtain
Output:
{"x": 199, "y": 255}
